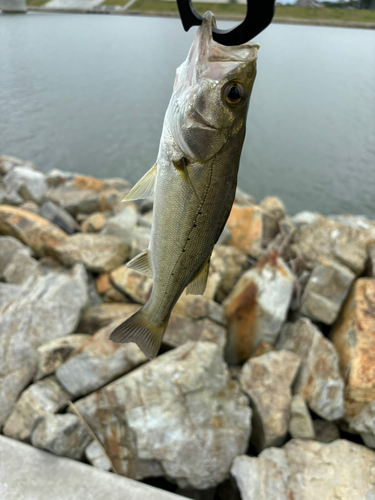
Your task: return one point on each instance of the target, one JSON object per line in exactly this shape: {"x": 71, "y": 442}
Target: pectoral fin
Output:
{"x": 181, "y": 167}
{"x": 141, "y": 263}
{"x": 198, "y": 284}
{"x": 144, "y": 187}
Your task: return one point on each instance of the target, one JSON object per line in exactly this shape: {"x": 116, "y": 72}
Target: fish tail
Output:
{"x": 139, "y": 329}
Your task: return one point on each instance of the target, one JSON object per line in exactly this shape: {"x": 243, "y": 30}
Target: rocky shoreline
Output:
{"x": 265, "y": 385}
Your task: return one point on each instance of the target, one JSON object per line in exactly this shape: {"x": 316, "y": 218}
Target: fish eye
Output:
{"x": 234, "y": 93}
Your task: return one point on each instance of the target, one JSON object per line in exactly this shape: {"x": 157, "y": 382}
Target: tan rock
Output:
{"x": 111, "y": 201}
{"x": 180, "y": 329}
{"x": 267, "y": 380}
{"x": 75, "y": 200}
{"x": 99, "y": 253}
{"x": 274, "y": 206}
{"x": 199, "y": 307}
{"x": 102, "y": 283}
{"x": 354, "y": 338}
{"x": 262, "y": 348}
{"x": 300, "y": 423}
{"x": 94, "y": 223}
{"x": 34, "y": 231}
{"x": 334, "y": 240}
{"x": 88, "y": 182}
{"x": 318, "y": 381}
{"x": 134, "y": 284}
{"x": 257, "y": 307}
{"x": 96, "y": 317}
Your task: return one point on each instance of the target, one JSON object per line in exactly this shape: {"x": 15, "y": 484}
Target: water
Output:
{"x": 88, "y": 93}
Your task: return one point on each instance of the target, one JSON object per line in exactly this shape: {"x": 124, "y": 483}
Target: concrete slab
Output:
{"x": 30, "y": 474}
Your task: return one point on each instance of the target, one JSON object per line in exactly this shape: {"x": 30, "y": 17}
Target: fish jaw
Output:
{"x": 198, "y": 118}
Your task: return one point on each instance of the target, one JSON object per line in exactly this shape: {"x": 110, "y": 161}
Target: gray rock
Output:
{"x": 21, "y": 268}
{"x": 60, "y": 478}
{"x": 52, "y": 355}
{"x": 305, "y": 469}
{"x": 267, "y": 379}
{"x": 56, "y": 177}
{"x": 48, "y": 307}
{"x": 9, "y": 246}
{"x": 198, "y": 307}
{"x": 31, "y": 206}
{"x": 257, "y": 307}
{"x": 364, "y": 424}
{"x": 95, "y": 456}
{"x": 305, "y": 217}
{"x": 96, "y": 317}
{"x": 326, "y": 291}
{"x": 7, "y": 163}
{"x": 300, "y": 423}
{"x": 180, "y": 329}
{"x": 122, "y": 225}
{"x": 59, "y": 216}
{"x": 98, "y": 362}
{"x": 334, "y": 240}
{"x": 97, "y": 252}
{"x": 30, "y": 184}
{"x": 325, "y": 432}
{"x": 11, "y": 197}
{"x": 8, "y": 293}
{"x": 75, "y": 200}
{"x": 62, "y": 435}
{"x": 39, "y": 399}
{"x": 118, "y": 184}
{"x": 318, "y": 381}
{"x": 191, "y": 434}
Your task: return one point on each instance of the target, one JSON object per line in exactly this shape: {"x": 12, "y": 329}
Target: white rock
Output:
{"x": 27, "y": 182}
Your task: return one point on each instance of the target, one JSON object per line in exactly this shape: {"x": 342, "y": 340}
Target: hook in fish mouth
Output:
{"x": 259, "y": 15}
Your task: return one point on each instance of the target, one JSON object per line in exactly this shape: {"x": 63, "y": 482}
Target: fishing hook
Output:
{"x": 258, "y": 16}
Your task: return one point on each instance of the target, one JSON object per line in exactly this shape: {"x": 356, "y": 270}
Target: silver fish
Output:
{"x": 193, "y": 180}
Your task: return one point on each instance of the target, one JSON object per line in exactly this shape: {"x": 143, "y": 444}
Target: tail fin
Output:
{"x": 139, "y": 329}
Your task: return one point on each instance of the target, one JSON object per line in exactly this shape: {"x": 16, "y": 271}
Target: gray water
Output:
{"x": 88, "y": 93}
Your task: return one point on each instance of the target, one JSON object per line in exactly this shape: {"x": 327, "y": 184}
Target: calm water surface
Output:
{"x": 88, "y": 93}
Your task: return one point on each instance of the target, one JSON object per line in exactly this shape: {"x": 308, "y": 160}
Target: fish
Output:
{"x": 194, "y": 179}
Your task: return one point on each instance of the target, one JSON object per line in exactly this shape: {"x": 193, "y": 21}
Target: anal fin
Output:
{"x": 197, "y": 285}
{"x": 141, "y": 263}
{"x": 145, "y": 186}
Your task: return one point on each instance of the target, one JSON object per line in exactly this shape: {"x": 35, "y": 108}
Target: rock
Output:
{"x": 123, "y": 224}
{"x": 75, "y": 200}
{"x": 354, "y": 338}
{"x": 227, "y": 265}
{"x": 318, "y": 381}
{"x": 62, "y": 435}
{"x": 41, "y": 398}
{"x": 198, "y": 307}
{"x": 371, "y": 263}
{"x": 98, "y": 361}
{"x": 94, "y": 223}
{"x": 257, "y": 307}
{"x": 364, "y": 424}
{"x": 107, "y": 291}
{"x": 251, "y": 229}
{"x": 34, "y": 231}
{"x": 134, "y": 284}
{"x": 305, "y": 469}
{"x": 52, "y": 355}
{"x": 148, "y": 435}
{"x": 118, "y": 184}
{"x": 305, "y": 217}
{"x": 31, "y": 206}
{"x": 60, "y": 478}
{"x": 325, "y": 432}
{"x": 56, "y": 177}
{"x": 243, "y": 199}
{"x": 262, "y": 348}
{"x": 180, "y": 329}
{"x": 95, "y": 456}
{"x": 59, "y": 216}
{"x": 93, "y": 297}
{"x": 139, "y": 240}
{"x": 10, "y": 246}
{"x": 267, "y": 380}
{"x": 8, "y": 293}
{"x": 300, "y": 423}
{"x": 96, "y": 317}
{"x": 7, "y": 163}
{"x": 97, "y": 252}
{"x": 21, "y": 268}
{"x": 274, "y": 206}
{"x": 47, "y": 308}
{"x": 30, "y": 184}
{"x": 326, "y": 291}
{"x": 11, "y": 197}
{"x": 88, "y": 182}
{"x": 335, "y": 241}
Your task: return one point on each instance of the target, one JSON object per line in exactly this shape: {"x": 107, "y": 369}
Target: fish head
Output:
{"x": 211, "y": 94}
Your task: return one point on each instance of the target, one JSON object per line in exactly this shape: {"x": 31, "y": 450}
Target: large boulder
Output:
{"x": 326, "y": 291}
{"x": 47, "y": 308}
{"x": 257, "y": 307}
{"x": 304, "y": 470}
{"x": 354, "y": 338}
{"x": 97, "y": 252}
{"x": 190, "y": 435}
{"x": 334, "y": 240}
{"x": 34, "y": 231}
{"x": 267, "y": 380}
{"x": 318, "y": 381}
